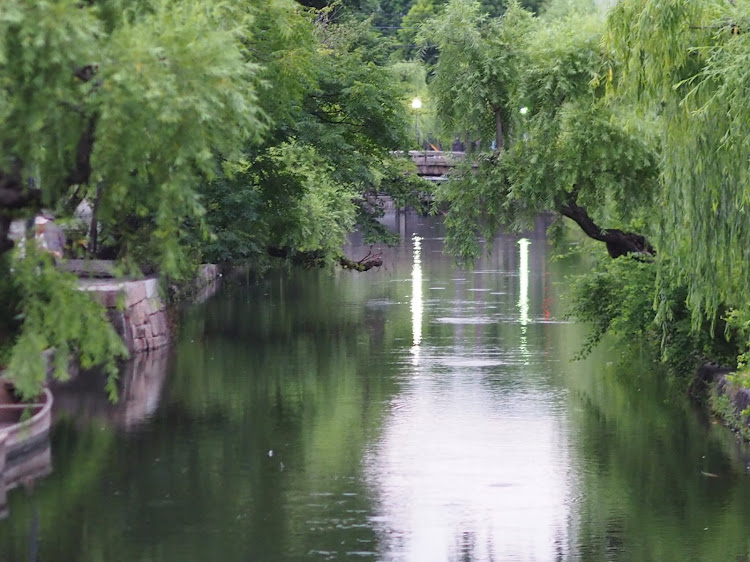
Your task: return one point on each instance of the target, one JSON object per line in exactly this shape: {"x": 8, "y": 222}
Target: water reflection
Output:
{"x": 416, "y": 298}
{"x": 140, "y": 385}
{"x": 493, "y": 445}
{"x": 22, "y": 469}
{"x": 472, "y": 463}
{"x": 523, "y": 293}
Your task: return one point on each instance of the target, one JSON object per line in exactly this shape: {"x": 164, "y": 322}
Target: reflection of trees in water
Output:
{"x": 276, "y": 368}
{"x": 46, "y": 519}
{"x": 82, "y": 400}
{"x": 640, "y": 457}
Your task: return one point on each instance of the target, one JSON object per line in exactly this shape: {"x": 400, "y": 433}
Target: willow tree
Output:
{"x": 478, "y": 66}
{"x": 129, "y": 105}
{"x": 686, "y": 63}
{"x": 569, "y": 152}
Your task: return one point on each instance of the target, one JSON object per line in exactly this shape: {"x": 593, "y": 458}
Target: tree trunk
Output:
{"x": 81, "y": 171}
{"x": 618, "y": 242}
{"x": 94, "y": 227}
{"x": 499, "y": 139}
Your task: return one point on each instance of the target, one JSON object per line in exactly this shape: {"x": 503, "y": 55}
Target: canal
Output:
{"x": 417, "y": 412}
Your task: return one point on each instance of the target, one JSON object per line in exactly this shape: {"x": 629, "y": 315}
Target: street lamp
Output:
{"x": 416, "y": 105}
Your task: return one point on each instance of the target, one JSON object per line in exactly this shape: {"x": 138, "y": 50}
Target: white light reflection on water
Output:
{"x": 472, "y": 464}
{"x": 523, "y": 294}
{"x": 416, "y": 299}
{"x": 460, "y": 471}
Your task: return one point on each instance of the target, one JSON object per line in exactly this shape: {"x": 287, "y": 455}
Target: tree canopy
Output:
{"x": 195, "y": 130}
{"x": 685, "y": 64}
{"x": 569, "y": 151}
{"x": 634, "y": 127}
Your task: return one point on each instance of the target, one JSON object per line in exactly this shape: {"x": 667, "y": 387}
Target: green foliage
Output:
{"x": 557, "y": 9}
{"x": 479, "y": 204}
{"x": 320, "y": 217}
{"x": 479, "y": 65}
{"x": 237, "y": 228}
{"x": 407, "y": 15}
{"x": 40, "y": 45}
{"x": 622, "y": 297}
{"x": 686, "y": 64}
{"x": 196, "y": 129}
{"x": 391, "y": 14}
{"x": 571, "y": 146}
{"x": 617, "y": 296}
{"x": 54, "y": 315}
{"x": 419, "y": 13}
{"x": 162, "y": 105}
{"x": 337, "y": 113}
{"x": 171, "y": 103}
{"x": 652, "y": 118}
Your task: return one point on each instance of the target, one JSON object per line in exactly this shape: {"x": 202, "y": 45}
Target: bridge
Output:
{"x": 434, "y": 165}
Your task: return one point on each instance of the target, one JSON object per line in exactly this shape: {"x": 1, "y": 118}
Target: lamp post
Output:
{"x": 416, "y": 104}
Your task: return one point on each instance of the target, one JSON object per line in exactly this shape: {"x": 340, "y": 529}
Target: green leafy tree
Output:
{"x": 556, "y": 9}
{"x": 570, "y": 152}
{"x": 196, "y": 129}
{"x": 423, "y": 10}
{"x": 129, "y": 106}
{"x": 478, "y": 66}
{"x": 338, "y": 110}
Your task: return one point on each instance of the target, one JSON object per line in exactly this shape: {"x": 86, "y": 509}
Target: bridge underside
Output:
{"x": 435, "y": 165}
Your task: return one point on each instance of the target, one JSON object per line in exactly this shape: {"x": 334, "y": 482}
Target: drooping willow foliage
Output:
{"x": 566, "y": 148}
{"x": 687, "y": 64}
{"x": 636, "y": 127}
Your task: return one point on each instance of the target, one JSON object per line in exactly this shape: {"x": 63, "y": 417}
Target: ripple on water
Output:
{"x": 470, "y": 363}
{"x": 465, "y": 320}
{"x": 376, "y": 303}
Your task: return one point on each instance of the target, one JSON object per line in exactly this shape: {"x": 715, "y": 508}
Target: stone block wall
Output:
{"x": 135, "y": 309}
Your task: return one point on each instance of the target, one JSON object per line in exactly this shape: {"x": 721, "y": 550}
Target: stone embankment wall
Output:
{"x": 732, "y": 402}
{"x": 135, "y": 309}
{"x": 728, "y": 399}
{"x": 204, "y": 286}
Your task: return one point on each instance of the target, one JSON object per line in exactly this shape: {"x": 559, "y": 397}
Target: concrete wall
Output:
{"x": 136, "y": 310}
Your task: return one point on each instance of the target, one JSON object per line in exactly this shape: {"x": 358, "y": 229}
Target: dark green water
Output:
{"x": 415, "y": 413}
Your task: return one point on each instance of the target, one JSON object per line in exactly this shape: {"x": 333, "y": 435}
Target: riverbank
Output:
{"x": 138, "y": 310}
